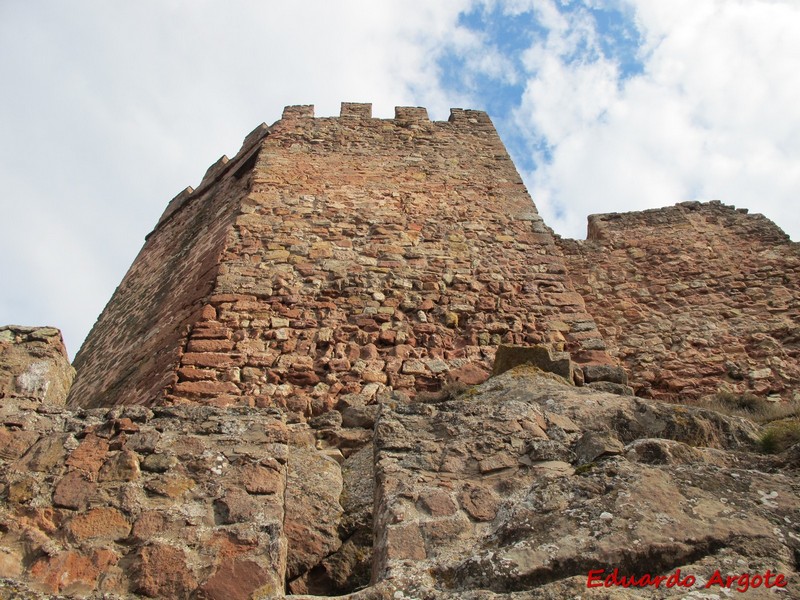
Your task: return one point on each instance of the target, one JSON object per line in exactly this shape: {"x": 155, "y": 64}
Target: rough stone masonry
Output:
{"x": 290, "y": 391}
{"x": 334, "y": 256}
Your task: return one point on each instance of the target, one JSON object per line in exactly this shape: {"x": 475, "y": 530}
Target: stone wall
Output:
{"x": 338, "y": 256}
{"x": 694, "y": 299}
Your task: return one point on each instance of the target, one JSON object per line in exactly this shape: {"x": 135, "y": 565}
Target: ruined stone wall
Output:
{"x": 694, "y": 299}
{"x": 344, "y": 255}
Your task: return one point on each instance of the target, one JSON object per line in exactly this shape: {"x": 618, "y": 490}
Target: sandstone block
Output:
{"x": 161, "y": 571}
{"x": 313, "y": 512}
{"x": 604, "y": 373}
{"x": 99, "y": 524}
{"x": 45, "y": 454}
{"x": 404, "y": 542}
{"x": 508, "y": 357}
{"x": 260, "y": 480}
{"x": 237, "y": 506}
{"x": 22, "y": 491}
{"x": 479, "y": 502}
{"x": 33, "y": 364}
{"x": 70, "y": 570}
{"x": 159, "y": 463}
{"x": 611, "y": 388}
{"x": 149, "y": 524}
{"x": 207, "y": 388}
{"x": 15, "y": 443}
{"x": 90, "y": 455}
{"x": 469, "y": 374}
{"x": 437, "y": 503}
{"x": 213, "y": 345}
{"x": 74, "y": 491}
{"x": 207, "y": 359}
{"x": 239, "y": 579}
{"x": 169, "y": 485}
{"x": 123, "y": 466}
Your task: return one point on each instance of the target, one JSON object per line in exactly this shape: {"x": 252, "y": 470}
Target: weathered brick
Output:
{"x": 208, "y": 359}
{"x": 206, "y": 388}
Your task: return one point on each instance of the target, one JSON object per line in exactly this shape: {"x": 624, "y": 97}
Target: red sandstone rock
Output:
{"x": 437, "y": 503}
{"x": 161, "y": 572}
{"x": 469, "y": 374}
{"x": 237, "y": 579}
{"x": 99, "y": 523}
{"x": 313, "y": 511}
{"x": 89, "y": 455}
{"x": 260, "y": 480}
{"x": 45, "y": 454}
{"x": 34, "y": 364}
{"x": 71, "y": 571}
{"x": 123, "y": 466}
{"x": 149, "y": 524}
{"x": 15, "y": 443}
{"x": 206, "y": 388}
{"x": 479, "y": 502}
{"x": 74, "y": 491}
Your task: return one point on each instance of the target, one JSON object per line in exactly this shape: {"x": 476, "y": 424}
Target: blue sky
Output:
{"x": 111, "y": 108}
{"x": 507, "y": 31}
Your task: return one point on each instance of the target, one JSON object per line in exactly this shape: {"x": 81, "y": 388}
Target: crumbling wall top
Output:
{"x": 682, "y": 216}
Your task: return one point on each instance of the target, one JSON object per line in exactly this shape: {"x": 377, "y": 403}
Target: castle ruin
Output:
{"x": 312, "y": 381}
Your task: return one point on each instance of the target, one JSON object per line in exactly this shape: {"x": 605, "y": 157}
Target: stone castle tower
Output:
{"x": 269, "y": 406}
{"x": 334, "y": 256}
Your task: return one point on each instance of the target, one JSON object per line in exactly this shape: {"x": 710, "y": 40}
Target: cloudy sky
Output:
{"x": 110, "y": 108}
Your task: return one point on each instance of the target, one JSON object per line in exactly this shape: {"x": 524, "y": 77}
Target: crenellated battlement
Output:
{"x": 403, "y": 114}
{"x": 351, "y": 114}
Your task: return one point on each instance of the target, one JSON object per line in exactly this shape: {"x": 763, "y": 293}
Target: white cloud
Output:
{"x": 714, "y": 114}
{"x": 109, "y": 109}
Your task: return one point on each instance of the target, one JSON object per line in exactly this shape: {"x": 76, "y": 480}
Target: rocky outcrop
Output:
{"x": 34, "y": 364}
{"x": 526, "y": 486}
{"x": 523, "y": 486}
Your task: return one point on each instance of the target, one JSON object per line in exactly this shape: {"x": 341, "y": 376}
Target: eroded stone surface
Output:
{"x": 617, "y": 482}
{"x": 82, "y": 518}
{"x": 34, "y": 364}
